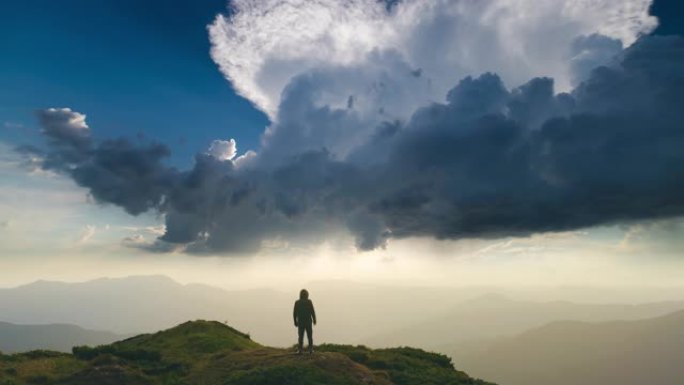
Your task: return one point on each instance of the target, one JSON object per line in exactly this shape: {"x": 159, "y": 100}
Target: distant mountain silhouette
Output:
{"x": 211, "y": 353}
{"x": 135, "y": 304}
{"x": 640, "y": 352}
{"x": 349, "y": 312}
{"x": 493, "y": 315}
{"x": 143, "y": 304}
{"x": 59, "y": 337}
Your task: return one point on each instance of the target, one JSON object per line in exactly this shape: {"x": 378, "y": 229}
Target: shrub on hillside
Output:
{"x": 88, "y": 353}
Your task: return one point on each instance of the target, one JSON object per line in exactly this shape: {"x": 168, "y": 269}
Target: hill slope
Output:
{"x": 211, "y": 353}
{"x": 568, "y": 353}
{"x": 59, "y": 337}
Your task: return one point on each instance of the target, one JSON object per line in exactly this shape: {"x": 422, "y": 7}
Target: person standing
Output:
{"x": 304, "y": 319}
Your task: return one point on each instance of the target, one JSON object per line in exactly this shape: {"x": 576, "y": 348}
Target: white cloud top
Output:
{"x": 63, "y": 124}
{"x": 263, "y": 44}
{"x": 223, "y": 149}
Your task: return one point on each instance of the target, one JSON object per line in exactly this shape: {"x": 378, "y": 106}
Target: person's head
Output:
{"x": 303, "y": 294}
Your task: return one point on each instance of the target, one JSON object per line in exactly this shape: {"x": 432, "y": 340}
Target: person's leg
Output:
{"x": 300, "y": 341}
{"x": 309, "y": 336}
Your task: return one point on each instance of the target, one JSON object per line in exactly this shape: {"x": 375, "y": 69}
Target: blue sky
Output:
{"x": 132, "y": 66}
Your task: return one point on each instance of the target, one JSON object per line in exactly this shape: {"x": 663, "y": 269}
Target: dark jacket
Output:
{"x": 304, "y": 312}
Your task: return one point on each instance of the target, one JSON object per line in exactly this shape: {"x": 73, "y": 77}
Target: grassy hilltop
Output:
{"x": 211, "y": 353}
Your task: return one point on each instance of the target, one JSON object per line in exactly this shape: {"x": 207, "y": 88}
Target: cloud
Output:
{"x": 151, "y": 230}
{"x": 609, "y": 152}
{"x": 362, "y": 147}
{"x": 13, "y": 125}
{"x": 316, "y": 113}
{"x": 118, "y": 171}
{"x": 86, "y": 234}
{"x": 139, "y": 242}
{"x": 646, "y": 238}
{"x": 262, "y": 45}
{"x": 589, "y": 52}
{"x": 223, "y": 149}
{"x": 65, "y": 127}
{"x": 134, "y": 240}
{"x": 632, "y": 234}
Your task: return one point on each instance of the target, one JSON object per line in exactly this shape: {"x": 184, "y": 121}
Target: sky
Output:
{"x": 251, "y": 143}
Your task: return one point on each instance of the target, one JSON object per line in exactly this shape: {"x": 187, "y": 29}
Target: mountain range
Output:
{"x": 59, "y": 337}
{"x": 140, "y": 304}
{"x": 374, "y": 315}
{"x": 492, "y": 316}
{"x": 638, "y": 352}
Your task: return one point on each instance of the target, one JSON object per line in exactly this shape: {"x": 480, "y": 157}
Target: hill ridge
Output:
{"x": 213, "y": 353}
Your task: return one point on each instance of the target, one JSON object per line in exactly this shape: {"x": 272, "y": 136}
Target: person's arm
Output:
{"x": 313, "y": 313}
{"x": 294, "y": 314}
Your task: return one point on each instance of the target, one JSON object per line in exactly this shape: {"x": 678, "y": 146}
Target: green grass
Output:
{"x": 279, "y": 366}
{"x": 173, "y": 353}
{"x": 183, "y": 343}
{"x": 211, "y": 353}
{"x": 37, "y": 367}
{"x": 406, "y": 366}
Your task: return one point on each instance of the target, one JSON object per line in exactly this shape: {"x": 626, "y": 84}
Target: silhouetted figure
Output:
{"x": 304, "y": 315}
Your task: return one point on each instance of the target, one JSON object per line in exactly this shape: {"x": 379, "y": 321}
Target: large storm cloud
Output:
{"x": 361, "y": 147}
{"x": 262, "y": 44}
